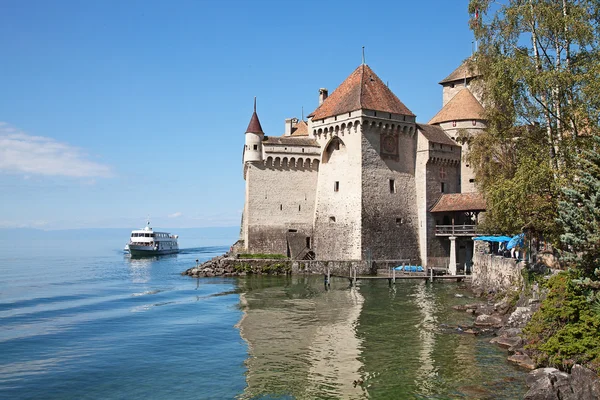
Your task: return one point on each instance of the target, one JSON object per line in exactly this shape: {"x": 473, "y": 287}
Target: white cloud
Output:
{"x": 175, "y": 215}
{"x": 23, "y": 153}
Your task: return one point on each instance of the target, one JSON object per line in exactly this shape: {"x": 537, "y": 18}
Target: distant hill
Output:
{"x": 228, "y": 235}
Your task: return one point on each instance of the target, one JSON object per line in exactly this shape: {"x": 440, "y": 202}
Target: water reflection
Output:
{"x": 371, "y": 341}
{"x": 426, "y": 373}
{"x": 140, "y": 268}
{"x": 301, "y": 339}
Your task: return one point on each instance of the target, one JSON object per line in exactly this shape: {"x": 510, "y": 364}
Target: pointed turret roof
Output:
{"x": 466, "y": 70}
{"x": 300, "y": 129}
{"x": 463, "y": 106}
{"x": 254, "y": 125}
{"x": 361, "y": 90}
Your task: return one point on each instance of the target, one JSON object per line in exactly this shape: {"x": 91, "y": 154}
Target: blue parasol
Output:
{"x": 518, "y": 240}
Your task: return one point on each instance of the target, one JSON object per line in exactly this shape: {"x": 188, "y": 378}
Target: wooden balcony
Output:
{"x": 455, "y": 230}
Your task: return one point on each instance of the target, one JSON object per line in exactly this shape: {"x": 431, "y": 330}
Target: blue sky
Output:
{"x": 114, "y": 110}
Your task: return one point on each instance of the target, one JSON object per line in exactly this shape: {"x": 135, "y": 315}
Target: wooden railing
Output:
{"x": 455, "y": 230}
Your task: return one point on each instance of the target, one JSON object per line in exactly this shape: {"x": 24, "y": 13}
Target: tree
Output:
{"x": 579, "y": 215}
{"x": 540, "y": 63}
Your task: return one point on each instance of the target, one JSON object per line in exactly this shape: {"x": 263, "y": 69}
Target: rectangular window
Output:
{"x": 336, "y": 186}
{"x": 255, "y": 147}
{"x": 392, "y": 186}
{"x": 308, "y": 242}
{"x": 443, "y": 187}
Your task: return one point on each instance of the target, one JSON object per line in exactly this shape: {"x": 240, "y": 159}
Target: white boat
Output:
{"x": 147, "y": 242}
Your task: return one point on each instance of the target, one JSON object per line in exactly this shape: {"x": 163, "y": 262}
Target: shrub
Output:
{"x": 566, "y": 329}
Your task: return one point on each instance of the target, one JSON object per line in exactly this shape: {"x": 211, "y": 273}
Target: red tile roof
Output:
{"x": 466, "y": 70}
{"x": 361, "y": 90}
{"x": 300, "y": 129}
{"x": 463, "y": 106}
{"x": 254, "y": 125}
{"x": 459, "y": 202}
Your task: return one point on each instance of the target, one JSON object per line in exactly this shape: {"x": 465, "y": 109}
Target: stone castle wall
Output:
{"x": 337, "y": 222}
{"x": 278, "y": 199}
{"x": 389, "y": 203}
{"x": 492, "y": 273}
{"x": 467, "y": 175}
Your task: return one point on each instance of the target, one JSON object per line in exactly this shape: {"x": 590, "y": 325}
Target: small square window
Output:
{"x": 331, "y": 219}
{"x": 255, "y": 147}
{"x": 399, "y": 221}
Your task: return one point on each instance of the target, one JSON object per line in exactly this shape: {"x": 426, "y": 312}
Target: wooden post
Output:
{"x": 354, "y": 283}
{"x": 431, "y": 274}
{"x": 393, "y": 274}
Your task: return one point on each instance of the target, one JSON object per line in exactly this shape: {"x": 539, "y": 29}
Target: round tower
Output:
{"x": 254, "y": 136}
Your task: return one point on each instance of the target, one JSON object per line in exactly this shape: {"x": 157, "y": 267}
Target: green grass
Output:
{"x": 261, "y": 256}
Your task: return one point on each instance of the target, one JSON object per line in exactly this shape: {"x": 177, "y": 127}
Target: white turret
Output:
{"x": 254, "y": 136}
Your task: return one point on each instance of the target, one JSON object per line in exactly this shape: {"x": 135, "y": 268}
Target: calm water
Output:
{"x": 79, "y": 320}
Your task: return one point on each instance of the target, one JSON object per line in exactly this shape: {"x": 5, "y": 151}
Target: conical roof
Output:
{"x": 463, "y": 106}
{"x": 466, "y": 70}
{"x": 361, "y": 90}
{"x": 254, "y": 125}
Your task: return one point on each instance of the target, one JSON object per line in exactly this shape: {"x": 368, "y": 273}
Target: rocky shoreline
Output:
{"x": 502, "y": 319}
{"x": 505, "y": 321}
{"x": 226, "y": 265}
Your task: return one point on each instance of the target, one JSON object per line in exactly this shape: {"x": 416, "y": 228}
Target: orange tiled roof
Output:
{"x": 300, "y": 129}
{"x": 361, "y": 90}
{"x": 463, "y": 106}
{"x": 459, "y": 202}
{"x": 466, "y": 70}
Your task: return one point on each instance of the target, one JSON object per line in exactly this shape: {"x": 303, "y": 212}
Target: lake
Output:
{"x": 79, "y": 319}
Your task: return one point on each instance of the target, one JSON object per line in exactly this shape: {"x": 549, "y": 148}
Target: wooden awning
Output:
{"x": 459, "y": 202}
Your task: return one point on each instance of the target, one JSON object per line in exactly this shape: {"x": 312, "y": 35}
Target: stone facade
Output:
{"x": 356, "y": 180}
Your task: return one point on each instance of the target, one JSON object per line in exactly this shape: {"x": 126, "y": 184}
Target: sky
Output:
{"x": 113, "y": 111}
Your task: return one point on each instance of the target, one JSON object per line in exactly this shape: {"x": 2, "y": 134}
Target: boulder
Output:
{"x": 523, "y": 360}
{"x": 485, "y": 320}
{"x": 507, "y": 342}
{"x": 585, "y": 383}
{"x": 549, "y": 384}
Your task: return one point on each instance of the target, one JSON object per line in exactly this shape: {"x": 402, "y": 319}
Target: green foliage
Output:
{"x": 566, "y": 329}
{"x": 261, "y": 256}
{"x": 275, "y": 268}
{"x": 540, "y": 67}
{"x": 579, "y": 214}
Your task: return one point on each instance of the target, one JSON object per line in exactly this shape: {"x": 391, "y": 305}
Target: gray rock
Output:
{"x": 488, "y": 320}
{"x": 585, "y": 383}
{"x": 520, "y": 317}
{"x": 522, "y": 360}
{"x": 549, "y": 384}
{"x": 507, "y": 342}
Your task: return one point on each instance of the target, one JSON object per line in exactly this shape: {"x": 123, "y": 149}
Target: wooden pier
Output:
{"x": 392, "y": 275}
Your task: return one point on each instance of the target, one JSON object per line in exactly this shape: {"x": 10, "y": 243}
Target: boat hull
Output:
{"x": 145, "y": 251}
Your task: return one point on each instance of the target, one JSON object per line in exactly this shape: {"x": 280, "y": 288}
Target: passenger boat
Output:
{"x": 147, "y": 242}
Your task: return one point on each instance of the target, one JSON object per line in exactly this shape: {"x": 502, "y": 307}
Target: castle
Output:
{"x": 362, "y": 179}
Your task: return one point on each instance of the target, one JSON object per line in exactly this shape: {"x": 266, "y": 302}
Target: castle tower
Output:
{"x": 253, "y": 150}
{"x": 462, "y": 77}
{"x": 461, "y": 118}
{"x": 365, "y": 203}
